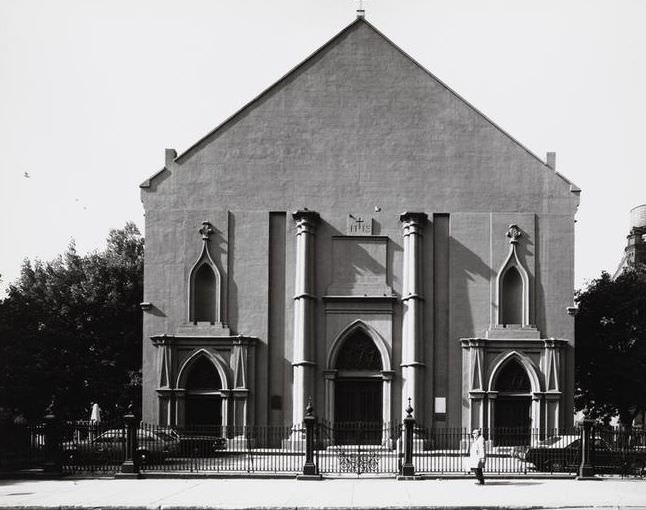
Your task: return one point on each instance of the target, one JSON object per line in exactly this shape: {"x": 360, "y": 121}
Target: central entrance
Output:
{"x": 358, "y": 391}
{"x": 358, "y": 400}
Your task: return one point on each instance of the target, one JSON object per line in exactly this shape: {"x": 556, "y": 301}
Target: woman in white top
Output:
{"x": 477, "y": 455}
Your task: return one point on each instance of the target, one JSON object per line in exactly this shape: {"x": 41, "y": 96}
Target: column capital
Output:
{"x": 306, "y": 217}
{"x": 554, "y": 343}
{"x": 413, "y": 218}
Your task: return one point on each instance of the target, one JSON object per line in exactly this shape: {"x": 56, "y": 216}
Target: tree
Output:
{"x": 71, "y": 328}
{"x": 611, "y": 346}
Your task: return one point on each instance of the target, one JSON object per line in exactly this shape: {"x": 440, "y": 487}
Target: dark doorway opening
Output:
{"x": 204, "y": 411}
{"x": 358, "y": 411}
{"x": 513, "y": 405}
{"x": 358, "y": 394}
{"x": 513, "y": 420}
{"x": 203, "y": 401}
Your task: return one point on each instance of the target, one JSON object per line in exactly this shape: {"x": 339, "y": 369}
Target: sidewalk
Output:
{"x": 345, "y": 493}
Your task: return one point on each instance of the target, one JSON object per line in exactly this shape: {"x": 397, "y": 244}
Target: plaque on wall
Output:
{"x": 358, "y": 225}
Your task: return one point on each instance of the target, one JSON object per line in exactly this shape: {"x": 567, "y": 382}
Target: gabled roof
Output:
{"x": 279, "y": 83}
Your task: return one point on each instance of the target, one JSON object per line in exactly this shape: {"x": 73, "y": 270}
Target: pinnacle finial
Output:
{"x": 409, "y": 409}
{"x": 206, "y": 230}
{"x": 514, "y": 233}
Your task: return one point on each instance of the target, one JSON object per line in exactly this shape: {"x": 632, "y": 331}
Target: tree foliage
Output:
{"x": 611, "y": 346}
{"x": 71, "y": 328}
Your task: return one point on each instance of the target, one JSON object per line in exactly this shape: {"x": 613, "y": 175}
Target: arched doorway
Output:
{"x": 358, "y": 391}
{"x": 203, "y": 400}
{"x": 513, "y": 405}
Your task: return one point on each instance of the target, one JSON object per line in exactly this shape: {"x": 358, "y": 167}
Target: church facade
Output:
{"x": 359, "y": 235}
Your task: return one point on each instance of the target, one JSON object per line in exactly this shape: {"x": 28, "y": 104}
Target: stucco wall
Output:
{"x": 359, "y": 126}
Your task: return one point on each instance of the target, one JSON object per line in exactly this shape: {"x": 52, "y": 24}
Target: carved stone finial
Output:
{"x": 309, "y": 409}
{"x": 514, "y": 233}
{"x": 206, "y": 230}
{"x": 409, "y": 409}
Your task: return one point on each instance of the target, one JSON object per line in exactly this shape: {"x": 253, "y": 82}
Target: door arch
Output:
{"x": 203, "y": 385}
{"x": 358, "y": 383}
{"x": 513, "y": 404}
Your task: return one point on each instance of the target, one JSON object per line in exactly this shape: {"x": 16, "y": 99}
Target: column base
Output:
{"x": 309, "y": 477}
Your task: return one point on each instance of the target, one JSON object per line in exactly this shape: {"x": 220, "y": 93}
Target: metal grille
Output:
{"x": 358, "y": 448}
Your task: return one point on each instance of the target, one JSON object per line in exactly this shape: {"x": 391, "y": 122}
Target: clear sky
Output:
{"x": 91, "y": 92}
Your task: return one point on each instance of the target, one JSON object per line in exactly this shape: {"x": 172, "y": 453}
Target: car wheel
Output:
{"x": 557, "y": 466}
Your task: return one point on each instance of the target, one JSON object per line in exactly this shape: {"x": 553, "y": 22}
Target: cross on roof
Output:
{"x": 361, "y": 11}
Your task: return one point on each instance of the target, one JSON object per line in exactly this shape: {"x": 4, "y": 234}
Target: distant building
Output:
{"x": 361, "y": 235}
{"x": 635, "y": 251}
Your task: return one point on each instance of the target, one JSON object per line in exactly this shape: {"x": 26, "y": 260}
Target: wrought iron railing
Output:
{"x": 316, "y": 448}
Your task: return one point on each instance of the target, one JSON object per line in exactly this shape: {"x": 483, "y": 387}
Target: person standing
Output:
{"x": 477, "y": 455}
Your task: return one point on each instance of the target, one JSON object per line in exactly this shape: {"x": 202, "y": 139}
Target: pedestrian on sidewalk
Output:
{"x": 477, "y": 455}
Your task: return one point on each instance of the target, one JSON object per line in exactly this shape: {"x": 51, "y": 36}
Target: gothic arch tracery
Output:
{"x": 218, "y": 363}
{"x": 358, "y": 325}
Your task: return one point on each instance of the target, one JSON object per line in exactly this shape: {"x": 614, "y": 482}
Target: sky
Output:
{"x": 92, "y": 92}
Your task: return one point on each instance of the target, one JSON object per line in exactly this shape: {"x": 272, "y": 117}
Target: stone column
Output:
{"x": 412, "y": 302}
{"x": 330, "y": 377}
{"x": 226, "y": 398}
{"x": 304, "y": 305}
{"x": 387, "y": 418}
{"x": 180, "y": 407}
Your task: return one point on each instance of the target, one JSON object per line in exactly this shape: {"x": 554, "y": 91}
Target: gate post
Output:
{"x": 130, "y": 465}
{"x": 53, "y": 444}
{"x": 586, "y": 469}
{"x": 408, "y": 469}
{"x": 310, "y": 469}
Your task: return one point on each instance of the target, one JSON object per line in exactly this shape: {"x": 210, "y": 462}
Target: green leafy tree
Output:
{"x": 71, "y": 328}
{"x": 611, "y": 347}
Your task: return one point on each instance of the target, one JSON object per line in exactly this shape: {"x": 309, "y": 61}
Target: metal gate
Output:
{"x": 358, "y": 448}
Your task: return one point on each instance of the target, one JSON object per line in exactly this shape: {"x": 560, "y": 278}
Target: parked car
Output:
{"x": 110, "y": 447}
{"x": 563, "y": 453}
{"x": 201, "y": 444}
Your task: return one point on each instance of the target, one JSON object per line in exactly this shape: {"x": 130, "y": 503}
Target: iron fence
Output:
{"x": 95, "y": 447}
{"x": 357, "y": 447}
{"x": 316, "y": 448}
{"x": 251, "y": 449}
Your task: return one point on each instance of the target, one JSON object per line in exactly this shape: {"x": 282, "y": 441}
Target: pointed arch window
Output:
{"x": 203, "y": 376}
{"x": 205, "y": 284}
{"x": 204, "y": 292}
{"x": 512, "y": 297}
{"x": 359, "y": 352}
{"x": 513, "y": 378}
{"x": 512, "y": 282}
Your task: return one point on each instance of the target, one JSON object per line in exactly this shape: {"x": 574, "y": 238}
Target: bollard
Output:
{"x": 408, "y": 469}
{"x": 310, "y": 469}
{"x": 130, "y": 465}
{"x": 53, "y": 444}
{"x": 586, "y": 469}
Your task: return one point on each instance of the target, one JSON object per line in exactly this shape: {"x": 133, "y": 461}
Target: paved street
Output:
{"x": 344, "y": 493}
